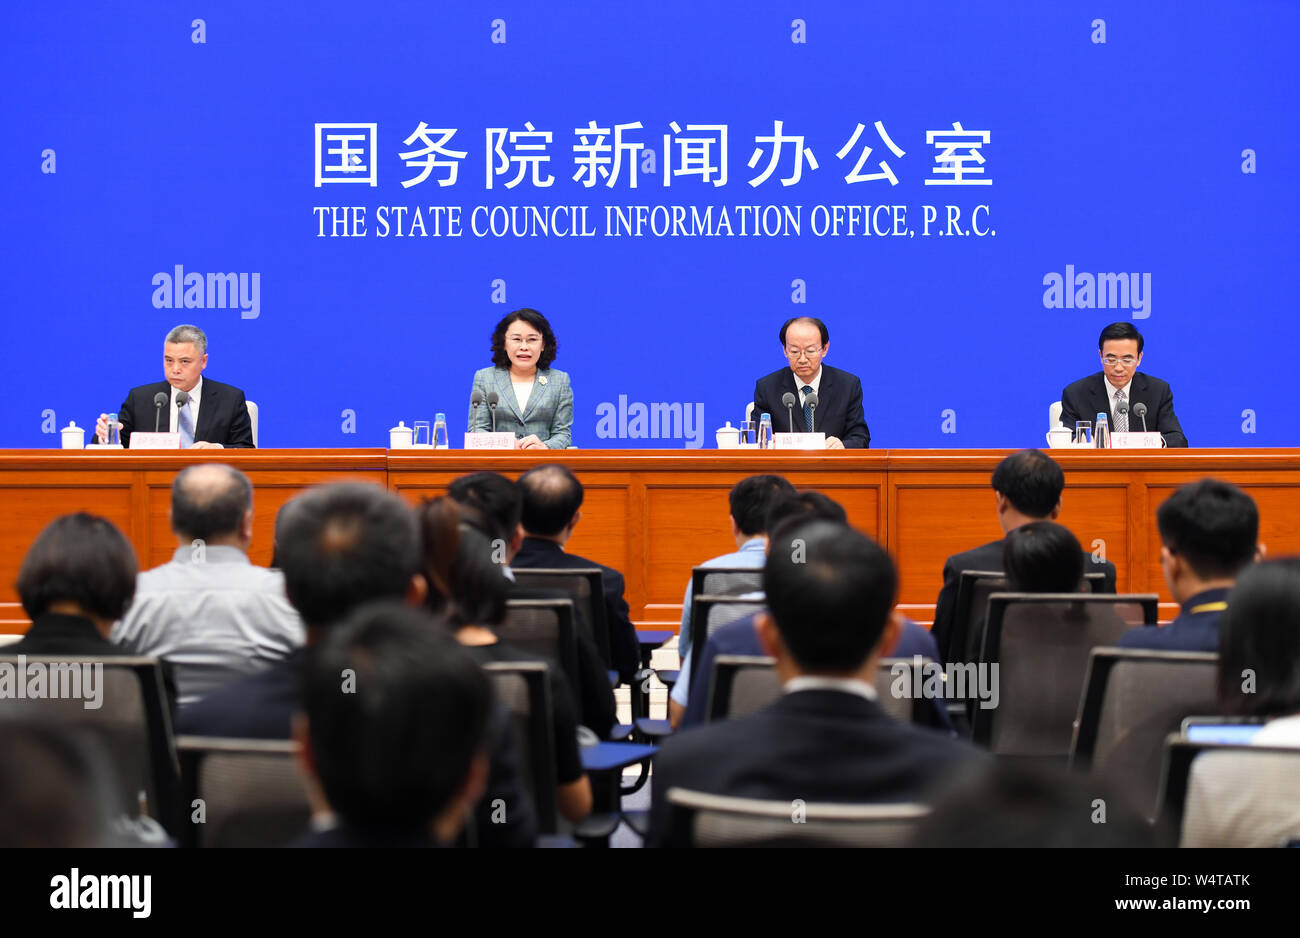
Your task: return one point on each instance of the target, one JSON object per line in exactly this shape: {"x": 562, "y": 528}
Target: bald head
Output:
{"x": 212, "y": 503}
{"x": 552, "y": 497}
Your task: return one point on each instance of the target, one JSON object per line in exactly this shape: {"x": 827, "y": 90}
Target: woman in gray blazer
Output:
{"x": 535, "y": 401}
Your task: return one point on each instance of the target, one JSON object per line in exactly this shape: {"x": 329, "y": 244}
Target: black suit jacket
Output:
{"x": 624, "y": 647}
{"x": 261, "y": 706}
{"x": 816, "y": 745}
{"x": 1088, "y": 397}
{"x": 839, "y": 406}
{"x": 223, "y": 414}
{"x": 988, "y": 557}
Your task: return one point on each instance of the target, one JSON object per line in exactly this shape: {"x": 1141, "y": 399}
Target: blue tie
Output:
{"x": 807, "y": 411}
{"x": 186, "y": 425}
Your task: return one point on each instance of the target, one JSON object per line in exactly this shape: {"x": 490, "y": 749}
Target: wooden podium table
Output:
{"x": 653, "y": 514}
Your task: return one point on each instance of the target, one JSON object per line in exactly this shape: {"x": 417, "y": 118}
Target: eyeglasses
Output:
{"x": 810, "y": 353}
{"x": 523, "y": 340}
{"x": 1128, "y": 361}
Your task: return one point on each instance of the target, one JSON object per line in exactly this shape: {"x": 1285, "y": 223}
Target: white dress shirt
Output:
{"x": 844, "y": 685}
{"x": 1111, "y": 391}
{"x": 196, "y": 393}
{"x": 523, "y": 390}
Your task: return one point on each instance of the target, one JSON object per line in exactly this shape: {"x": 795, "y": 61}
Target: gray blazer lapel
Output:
{"x": 538, "y": 394}
{"x": 506, "y": 392}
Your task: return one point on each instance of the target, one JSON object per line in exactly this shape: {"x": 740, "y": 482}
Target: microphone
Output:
{"x": 492, "y": 400}
{"x": 1140, "y": 410}
{"x": 1122, "y": 411}
{"x": 788, "y": 400}
{"x": 811, "y": 403}
{"x": 159, "y": 402}
{"x": 475, "y": 402}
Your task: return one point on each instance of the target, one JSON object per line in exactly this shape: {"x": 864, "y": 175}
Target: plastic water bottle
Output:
{"x": 114, "y": 434}
{"x": 440, "y": 432}
{"x": 765, "y": 431}
{"x": 1101, "y": 439}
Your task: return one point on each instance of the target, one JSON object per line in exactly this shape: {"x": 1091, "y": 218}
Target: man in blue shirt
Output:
{"x": 1209, "y": 530}
{"x": 750, "y": 500}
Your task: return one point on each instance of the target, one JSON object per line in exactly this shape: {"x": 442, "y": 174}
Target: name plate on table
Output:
{"x": 1151, "y": 440}
{"x": 798, "y": 441}
{"x": 155, "y": 440}
{"x": 505, "y": 439}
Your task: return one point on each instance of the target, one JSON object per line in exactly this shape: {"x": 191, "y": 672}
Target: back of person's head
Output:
{"x": 396, "y": 749}
{"x": 1259, "y": 641}
{"x": 466, "y": 583}
{"x": 343, "y": 545}
{"x": 830, "y": 591}
{"x": 210, "y": 501}
{"x": 79, "y": 558}
{"x": 552, "y": 496}
{"x": 1010, "y": 804}
{"x": 1212, "y": 526}
{"x": 497, "y": 500}
{"x": 1042, "y": 557}
{"x": 54, "y": 788}
{"x": 1032, "y": 481}
{"x": 807, "y": 506}
{"x": 752, "y": 497}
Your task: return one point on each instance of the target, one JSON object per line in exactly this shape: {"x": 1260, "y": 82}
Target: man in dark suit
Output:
{"x": 1210, "y": 532}
{"x": 830, "y": 592}
{"x": 1027, "y": 487}
{"x": 1118, "y": 385}
{"x": 211, "y": 415}
{"x": 838, "y": 413}
{"x": 552, "y": 497}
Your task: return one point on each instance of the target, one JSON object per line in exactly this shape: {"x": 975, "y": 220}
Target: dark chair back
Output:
{"x": 524, "y": 688}
{"x": 242, "y": 792}
{"x": 544, "y": 627}
{"x": 970, "y": 612}
{"x": 720, "y": 821}
{"x": 719, "y": 581}
{"x": 1132, "y": 700}
{"x": 1041, "y": 643}
{"x": 710, "y": 613}
{"x": 132, "y": 722}
{"x": 586, "y": 585}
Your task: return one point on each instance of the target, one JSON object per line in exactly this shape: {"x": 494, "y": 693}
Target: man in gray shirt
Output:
{"x": 210, "y": 612}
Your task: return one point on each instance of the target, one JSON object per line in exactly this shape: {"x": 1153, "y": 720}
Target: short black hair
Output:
{"x": 805, "y": 506}
{"x": 552, "y": 496}
{"x": 1260, "y": 632}
{"x": 1212, "y": 525}
{"x": 204, "y": 508}
{"x": 1013, "y": 804}
{"x": 752, "y": 497}
{"x": 344, "y": 544}
{"x": 1031, "y": 480}
{"x": 394, "y": 749}
{"x": 1042, "y": 557}
{"x": 821, "y": 327}
{"x": 466, "y": 582}
{"x": 538, "y": 322}
{"x": 830, "y": 590}
{"x": 497, "y": 500}
{"x": 79, "y": 558}
{"x": 1117, "y": 331}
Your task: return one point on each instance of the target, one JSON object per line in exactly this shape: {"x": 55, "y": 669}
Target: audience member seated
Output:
{"x": 495, "y": 505}
{"x": 209, "y": 612}
{"x": 1209, "y": 530}
{"x": 830, "y": 591}
{"x": 741, "y": 637}
{"x": 1027, "y": 487}
{"x": 749, "y": 502}
{"x": 401, "y": 759}
{"x": 1259, "y": 676}
{"x": 468, "y": 591}
{"x": 341, "y": 546}
{"x": 77, "y": 579}
{"x": 1042, "y": 557}
{"x": 552, "y": 499}
{"x": 1013, "y": 804}
{"x": 55, "y": 789}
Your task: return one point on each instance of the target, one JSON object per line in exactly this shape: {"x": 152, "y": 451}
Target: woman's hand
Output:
{"x": 530, "y": 442}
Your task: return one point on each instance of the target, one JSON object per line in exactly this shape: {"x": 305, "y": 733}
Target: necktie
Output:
{"x": 185, "y": 423}
{"x": 1121, "y": 419}
{"x": 807, "y": 411}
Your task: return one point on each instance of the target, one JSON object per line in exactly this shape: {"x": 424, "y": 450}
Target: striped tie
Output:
{"x": 1121, "y": 413}
{"x": 185, "y": 423}
{"x": 807, "y": 411}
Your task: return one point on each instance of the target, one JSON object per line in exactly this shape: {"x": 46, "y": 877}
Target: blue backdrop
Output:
{"x": 1153, "y": 139}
